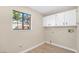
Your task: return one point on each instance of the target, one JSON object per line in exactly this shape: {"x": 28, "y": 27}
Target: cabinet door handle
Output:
{"x": 66, "y": 23}
{"x": 55, "y": 24}
{"x": 63, "y": 23}
{"x": 49, "y": 24}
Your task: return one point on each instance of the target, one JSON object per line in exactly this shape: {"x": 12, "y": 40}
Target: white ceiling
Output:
{"x": 47, "y": 10}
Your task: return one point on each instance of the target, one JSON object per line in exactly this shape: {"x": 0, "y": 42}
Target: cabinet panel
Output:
{"x": 49, "y": 20}
{"x": 70, "y": 18}
{"x": 60, "y": 19}
{"x": 45, "y": 21}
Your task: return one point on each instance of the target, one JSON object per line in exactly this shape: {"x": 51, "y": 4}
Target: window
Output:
{"x": 21, "y": 21}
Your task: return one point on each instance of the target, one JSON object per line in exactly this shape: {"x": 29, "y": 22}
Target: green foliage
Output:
{"x": 16, "y": 15}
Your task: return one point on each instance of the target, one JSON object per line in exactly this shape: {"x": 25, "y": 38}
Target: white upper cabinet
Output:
{"x": 49, "y": 20}
{"x": 67, "y": 18}
{"x": 45, "y": 21}
{"x": 60, "y": 19}
{"x": 70, "y": 18}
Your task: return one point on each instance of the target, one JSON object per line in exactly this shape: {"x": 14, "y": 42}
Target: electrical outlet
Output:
{"x": 52, "y": 32}
{"x": 20, "y": 46}
{"x": 50, "y": 41}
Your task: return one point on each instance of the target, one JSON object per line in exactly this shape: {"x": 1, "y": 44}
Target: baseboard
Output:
{"x": 48, "y": 43}
{"x": 62, "y": 46}
{"x": 32, "y": 47}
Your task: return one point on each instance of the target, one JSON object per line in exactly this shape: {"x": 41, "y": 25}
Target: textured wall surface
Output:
{"x": 14, "y": 40}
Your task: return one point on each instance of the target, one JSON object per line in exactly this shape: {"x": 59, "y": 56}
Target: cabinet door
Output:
{"x": 45, "y": 21}
{"x": 60, "y": 19}
{"x": 51, "y": 20}
{"x": 70, "y": 18}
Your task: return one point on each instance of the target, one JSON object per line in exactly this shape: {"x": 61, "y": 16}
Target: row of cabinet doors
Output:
{"x": 67, "y": 18}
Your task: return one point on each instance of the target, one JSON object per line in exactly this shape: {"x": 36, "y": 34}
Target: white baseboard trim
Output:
{"x": 32, "y": 47}
{"x": 62, "y": 46}
{"x": 48, "y": 43}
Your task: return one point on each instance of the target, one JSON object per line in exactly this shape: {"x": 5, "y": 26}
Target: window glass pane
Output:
{"x": 21, "y": 21}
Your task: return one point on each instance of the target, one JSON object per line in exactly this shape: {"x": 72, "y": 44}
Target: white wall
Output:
{"x": 61, "y": 36}
{"x": 14, "y": 40}
{"x": 78, "y": 29}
